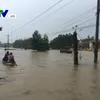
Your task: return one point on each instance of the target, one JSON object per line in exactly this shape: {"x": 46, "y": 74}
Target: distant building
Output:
{"x": 87, "y": 44}
{"x": 92, "y": 43}
{"x": 82, "y": 44}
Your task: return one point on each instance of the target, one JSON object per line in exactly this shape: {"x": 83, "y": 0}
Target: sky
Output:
{"x": 51, "y": 22}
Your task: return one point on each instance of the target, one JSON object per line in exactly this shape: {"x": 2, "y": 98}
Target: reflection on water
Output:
{"x": 74, "y": 83}
{"x": 49, "y": 76}
{"x": 95, "y": 87}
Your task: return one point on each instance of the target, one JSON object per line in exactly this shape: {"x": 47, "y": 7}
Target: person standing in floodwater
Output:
{"x": 6, "y": 57}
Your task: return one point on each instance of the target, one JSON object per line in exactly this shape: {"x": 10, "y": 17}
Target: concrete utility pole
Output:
{"x": 75, "y": 48}
{"x": 8, "y": 41}
{"x": 97, "y": 33}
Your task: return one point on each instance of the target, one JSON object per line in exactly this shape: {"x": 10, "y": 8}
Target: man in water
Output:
{"x": 6, "y": 57}
{"x": 11, "y": 58}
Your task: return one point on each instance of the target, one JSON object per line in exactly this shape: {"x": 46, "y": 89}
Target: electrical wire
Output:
{"x": 79, "y": 24}
{"x": 88, "y": 26}
{"x": 68, "y": 3}
{"x": 59, "y": 9}
{"x": 39, "y": 15}
{"x": 79, "y": 20}
{"x": 86, "y": 21}
{"x": 81, "y": 15}
{"x": 82, "y": 23}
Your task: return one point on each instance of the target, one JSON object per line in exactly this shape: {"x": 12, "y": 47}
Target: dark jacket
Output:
{"x": 5, "y": 57}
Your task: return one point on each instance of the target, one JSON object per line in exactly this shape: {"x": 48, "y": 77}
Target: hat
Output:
{"x": 11, "y": 52}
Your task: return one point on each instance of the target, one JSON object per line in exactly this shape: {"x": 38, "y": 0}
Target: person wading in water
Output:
{"x": 11, "y": 59}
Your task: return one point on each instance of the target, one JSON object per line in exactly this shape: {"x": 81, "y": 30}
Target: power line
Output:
{"x": 39, "y": 15}
{"x": 68, "y": 3}
{"x": 79, "y": 24}
{"x": 85, "y": 22}
{"x": 59, "y": 9}
{"x": 85, "y": 13}
{"x": 82, "y": 18}
{"x": 80, "y": 36}
{"x": 81, "y": 28}
{"x": 82, "y": 24}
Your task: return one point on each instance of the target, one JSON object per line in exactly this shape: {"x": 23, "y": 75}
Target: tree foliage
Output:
{"x": 36, "y": 42}
{"x": 88, "y": 39}
{"x": 61, "y": 41}
{"x": 26, "y": 43}
{"x": 39, "y": 43}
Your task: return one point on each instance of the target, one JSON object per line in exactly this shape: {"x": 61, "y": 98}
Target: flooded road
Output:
{"x": 49, "y": 76}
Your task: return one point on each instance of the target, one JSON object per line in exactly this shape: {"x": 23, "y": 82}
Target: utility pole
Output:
{"x": 11, "y": 37}
{"x": 8, "y": 41}
{"x": 75, "y": 48}
{"x": 75, "y": 45}
{"x": 0, "y": 28}
{"x": 97, "y": 33}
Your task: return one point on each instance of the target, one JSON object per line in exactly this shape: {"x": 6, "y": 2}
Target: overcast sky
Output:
{"x": 27, "y": 10}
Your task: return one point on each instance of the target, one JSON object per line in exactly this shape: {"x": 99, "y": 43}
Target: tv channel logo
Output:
{"x": 3, "y": 13}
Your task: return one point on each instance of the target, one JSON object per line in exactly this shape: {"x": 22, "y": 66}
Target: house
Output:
{"x": 83, "y": 44}
{"x": 87, "y": 44}
{"x": 92, "y": 43}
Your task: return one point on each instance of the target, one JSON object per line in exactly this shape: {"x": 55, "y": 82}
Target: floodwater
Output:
{"x": 49, "y": 76}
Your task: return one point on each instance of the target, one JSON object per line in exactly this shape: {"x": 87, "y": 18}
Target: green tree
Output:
{"x": 88, "y": 39}
{"x": 46, "y": 42}
{"x": 36, "y": 38}
{"x": 26, "y": 43}
{"x": 36, "y": 42}
{"x": 39, "y": 43}
{"x": 61, "y": 41}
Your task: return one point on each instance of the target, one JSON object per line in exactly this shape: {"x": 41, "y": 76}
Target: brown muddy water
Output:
{"x": 49, "y": 76}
